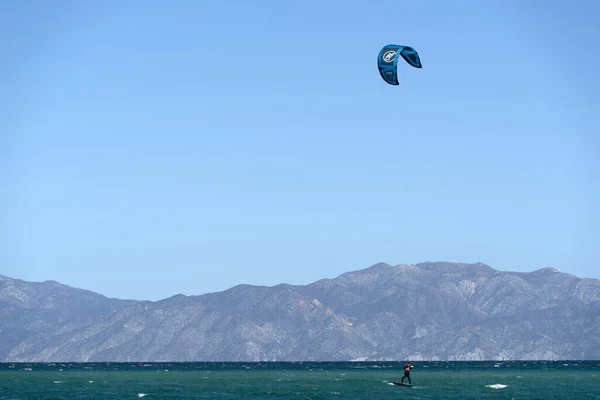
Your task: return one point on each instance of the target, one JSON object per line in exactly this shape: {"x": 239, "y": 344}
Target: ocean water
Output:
{"x": 301, "y": 380}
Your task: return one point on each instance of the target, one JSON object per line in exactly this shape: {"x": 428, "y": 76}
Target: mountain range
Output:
{"x": 427, "y": 311}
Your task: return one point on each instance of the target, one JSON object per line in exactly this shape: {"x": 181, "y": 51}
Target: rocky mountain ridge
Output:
{"x": 427, "y": 311}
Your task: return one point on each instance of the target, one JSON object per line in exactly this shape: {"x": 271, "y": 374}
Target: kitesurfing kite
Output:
{"x": 388, "y": 61}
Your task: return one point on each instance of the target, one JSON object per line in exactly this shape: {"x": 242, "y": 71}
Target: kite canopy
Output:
{"x": 387, "y": 62}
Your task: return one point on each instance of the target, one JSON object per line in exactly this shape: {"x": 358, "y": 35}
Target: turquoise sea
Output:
{"x": 301, "y": 380}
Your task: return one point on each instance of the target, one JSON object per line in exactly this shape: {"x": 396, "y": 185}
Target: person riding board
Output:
{"x": 407, "y": 368}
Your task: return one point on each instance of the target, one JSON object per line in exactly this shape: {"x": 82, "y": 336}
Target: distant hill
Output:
{"x": 428, "y": 311}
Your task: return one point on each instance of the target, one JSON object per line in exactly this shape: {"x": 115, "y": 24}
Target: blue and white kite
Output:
{"x": 388, "y": 61}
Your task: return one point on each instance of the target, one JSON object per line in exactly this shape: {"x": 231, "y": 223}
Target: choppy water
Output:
{"x": 302, "y": 380}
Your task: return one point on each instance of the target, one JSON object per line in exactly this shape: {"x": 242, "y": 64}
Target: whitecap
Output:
{"x": 142, "y": 394}
{"x": 496, "y": 386}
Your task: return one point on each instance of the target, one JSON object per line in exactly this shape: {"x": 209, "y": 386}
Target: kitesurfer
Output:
{"x": 407, "y": 368}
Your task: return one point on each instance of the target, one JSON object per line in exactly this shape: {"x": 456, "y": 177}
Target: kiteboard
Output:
{"x": 401, "y": 384}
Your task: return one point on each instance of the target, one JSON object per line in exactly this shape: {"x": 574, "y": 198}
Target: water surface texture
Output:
{"x": 301, "y": 380}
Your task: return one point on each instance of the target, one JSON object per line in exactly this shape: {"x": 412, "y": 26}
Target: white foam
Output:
{"x": 142, "y": 394}
{"x": 496, "y": 386}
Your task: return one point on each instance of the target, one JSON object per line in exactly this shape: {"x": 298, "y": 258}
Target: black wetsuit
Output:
{"x": 406, "y": 374}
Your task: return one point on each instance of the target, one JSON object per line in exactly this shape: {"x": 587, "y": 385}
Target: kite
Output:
{"x": 388, "y": 60}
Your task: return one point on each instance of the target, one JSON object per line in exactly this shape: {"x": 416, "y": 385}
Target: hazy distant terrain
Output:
{"x": 428, "y": 311}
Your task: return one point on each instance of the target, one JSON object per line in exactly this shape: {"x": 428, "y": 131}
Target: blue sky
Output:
{"x": 149, "y": 148}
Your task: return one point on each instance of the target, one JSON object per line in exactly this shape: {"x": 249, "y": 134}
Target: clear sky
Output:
{"x": 149, "y": 148}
